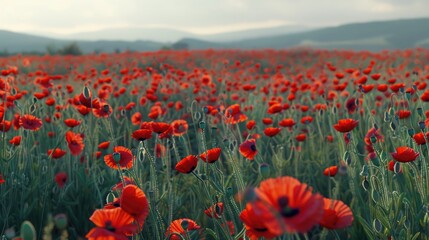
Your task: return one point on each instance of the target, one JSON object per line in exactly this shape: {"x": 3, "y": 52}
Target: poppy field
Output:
{"x": 215, "y": 144}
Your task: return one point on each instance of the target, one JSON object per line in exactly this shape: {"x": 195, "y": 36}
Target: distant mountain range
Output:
{"x": 374, "y": 36}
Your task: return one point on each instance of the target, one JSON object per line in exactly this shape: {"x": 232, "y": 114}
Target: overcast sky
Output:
{"x": 197, "y": 16}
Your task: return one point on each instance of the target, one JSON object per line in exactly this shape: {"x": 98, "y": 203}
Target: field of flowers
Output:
{"x": 297, "y": 144}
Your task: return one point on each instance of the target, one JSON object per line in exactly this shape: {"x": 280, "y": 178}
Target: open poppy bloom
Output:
{"x": 56, "y": 153}
{"x": 71, "y": 122}
{"x": 5, "y": 126}
{"x": 215, "y": 210}
{"x": 346, "y": 125}
{"x": 30, "y": 122}
{"x": 177, "y": 228}
{"x": 15, "y": 141}
{"x": 213, "y": 155}
{"x": 187, "y": 164}
{"x": 234, "y": 115}
{"x": 287, "y": 122}
{"x": 121, "y": 156}
{"x": 133, "y": 201}
{"x": 104, "y": 145}
{"x": 420, "y": 138}
{"x": 61, "y": 179}
{"x": 159, "y": 127}
{"x": 142, "y": 134}
{"x": 180, "y": 127}
{"x": 255, "y": 226}
{"x": 111, "y": 224}
{"x": 271, "y": 131}
{"x": 248, "y": 149}
{"x": 74, "y": 142}
{"x": 331, "y": 171}
{"x": 405, "y": 154}
{"x": 336, "y": 214}
{"x": 287, "y": 205}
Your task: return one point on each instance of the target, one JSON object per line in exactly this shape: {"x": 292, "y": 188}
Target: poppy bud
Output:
{"x": 378, "y": 227}
{"x": 420, "y": 111}
{"x": 60, "y": 221}
{"x": 393, "y": 126}
{"x": 411, "y": 132}
{"x": 422, "y": 125}
{"x": 86, "y": 92}
{"x": 27, "y": 231}
{"x": 391, "y": 111}
{"x": 202, "y": 124}
{"x": 408, "y": 95}
{"x": 116, "y": 157}
{"x": 264, "y": 170}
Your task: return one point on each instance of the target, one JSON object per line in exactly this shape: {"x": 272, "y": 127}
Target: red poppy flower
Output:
{"x": 336, "y": 214}
{"x": 420, "y": 138}
{"x": 104, "y": 145}
{"x": 30, "y": 122}
{"x": 301, "y": 137}
{"x": 213, "y": 155}
{"x": 119, "y": 186}
{"x": 267, "y": 121}
{"x": 250, "y": 124}
{"x": 176, "y": 232}
{"x": 331, "y": 171}
{"x": 346, "y": 125}
{"x": 275, "y": 108}
{"x": 287, "y": 205}
{"x": 15, "y": 141}
{"x": 142, "y": 134}
{"x": 405, "y": 154}
{"x": 103, "y": 111}
{"x": 180, "y": 127}
{"x": 255, "y": 226}
{"x": 5, "y": 126}
{"x": 215, "y": 210}
{"x": 306, "y": 120}
{"x": 248, "y": 149}
{"x": 402, "y": 114}
{"x": 136, "y": 118}
{"x": 287, "y": 122}
{"x": 234, "y": 115}
{"x": 160, "y": 150}
{"x": 121, "y": 156}
{"x": 61, "y": 179}
{"x": 134, "y": 202}
{"x": 71, "y": 122}
{"x": 187, "y": 164}
{"x": 166, "y": 134}
{"x": 271, "y": 131}
{"x": 56, "y": 153}
{"x": 111, "y": 224}
{"x": 391, "y": 166}
{"x": 74, "y": 142}
{"x": 159, "y": 127}
{"x": 1, "y": 179}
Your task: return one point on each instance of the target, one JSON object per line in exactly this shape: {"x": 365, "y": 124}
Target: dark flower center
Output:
{"x": 109, "y": 226}
{"x": 253, "y": 147}
{"x": 285, "y": 210}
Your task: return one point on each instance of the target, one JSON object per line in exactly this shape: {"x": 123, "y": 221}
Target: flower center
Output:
{"x": 285, "y": 210}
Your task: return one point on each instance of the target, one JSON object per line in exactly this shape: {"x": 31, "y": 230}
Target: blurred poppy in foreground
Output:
{"x": 336, "y": 214}
{"x": 111, "y": 224}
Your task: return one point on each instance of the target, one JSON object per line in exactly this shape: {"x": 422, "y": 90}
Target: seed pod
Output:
{"x": 378, "y": 227}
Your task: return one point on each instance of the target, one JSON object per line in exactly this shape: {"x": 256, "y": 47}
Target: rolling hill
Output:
{"x": 373, "y": 36}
